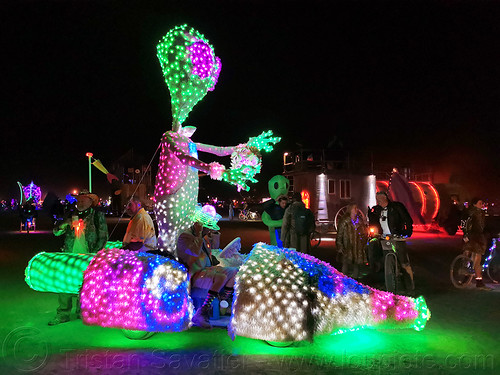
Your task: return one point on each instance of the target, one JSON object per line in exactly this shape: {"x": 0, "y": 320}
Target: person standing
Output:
{"x": 298, "y": 224}
{"x": 86, "y": 232}
{"x": 352, "y": 236}
{"x": 475, "y": 239}
{"x": 231, "y": 211}
{"x": 273, "y": 218}
{"x": 140, "y": 234}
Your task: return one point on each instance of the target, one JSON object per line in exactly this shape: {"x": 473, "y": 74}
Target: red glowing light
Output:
{"x": 79, "y": 226}
{"x": 436, "y": 196}
{"x": 305, "y": 198}
{"x": 89, "y": 154}
{"x": 422, "y": 197}
{"x": 386, "y": 183}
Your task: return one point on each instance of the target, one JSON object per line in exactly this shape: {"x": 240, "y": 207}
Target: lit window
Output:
{"x": 331, "y": 186}
{"x": 345, "y": 189}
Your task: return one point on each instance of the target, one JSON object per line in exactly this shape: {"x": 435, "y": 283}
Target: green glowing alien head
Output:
{"x": 190, "y": 69}
{"x": 278, "y": 185}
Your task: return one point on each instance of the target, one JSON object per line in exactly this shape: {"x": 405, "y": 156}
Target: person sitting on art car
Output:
{"x": 140, "y": 235}
{"x": 194, "y": 250}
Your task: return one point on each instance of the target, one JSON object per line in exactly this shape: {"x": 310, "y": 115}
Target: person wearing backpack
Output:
{"x": 298, "y": 224}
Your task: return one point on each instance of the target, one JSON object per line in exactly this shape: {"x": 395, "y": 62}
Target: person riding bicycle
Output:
{"x": 474, "y": 238}
{"x": 390, "y": 219}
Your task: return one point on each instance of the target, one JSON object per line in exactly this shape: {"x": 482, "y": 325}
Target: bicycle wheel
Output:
{"x": 493, "y": 269}
{"x": 315, "y": 239}
{"x": 461, "y": 271}
{"x": 391, "y": 273}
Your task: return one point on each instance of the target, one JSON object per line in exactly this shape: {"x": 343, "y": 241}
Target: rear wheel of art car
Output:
{"x": 137, "y": 335}
{"x": 493, "y": 269}
{"x": 391, "y": 273}
{"x": 461, "y": 271}
{"x": 315, "y": 239}
{"x": 279, "y": 344}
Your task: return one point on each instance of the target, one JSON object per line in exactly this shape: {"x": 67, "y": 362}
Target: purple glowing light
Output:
{"x": 32, "y": 191}
{"x": 204, "y": 62}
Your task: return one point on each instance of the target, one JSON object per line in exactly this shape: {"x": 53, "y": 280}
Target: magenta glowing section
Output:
{"x": 136, "y": 291}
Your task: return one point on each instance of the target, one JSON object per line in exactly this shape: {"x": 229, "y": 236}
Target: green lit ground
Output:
{"x": 461, "y": 337}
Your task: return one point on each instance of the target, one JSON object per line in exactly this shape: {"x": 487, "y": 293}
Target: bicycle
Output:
{"x": 395, "y": 277}
{"x": 315, "y": 239}
{"x": 322, "y": 227}
{"x": 248, "y": 215}
{"x": 393, "y": 273}
{"x": 462, "y": 267}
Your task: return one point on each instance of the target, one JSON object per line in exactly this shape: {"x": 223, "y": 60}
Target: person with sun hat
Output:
{"x": 194, "y": 249}
{"x": 86, "y": 232}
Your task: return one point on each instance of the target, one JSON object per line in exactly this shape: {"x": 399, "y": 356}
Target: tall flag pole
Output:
{"x": 89, "y": 155}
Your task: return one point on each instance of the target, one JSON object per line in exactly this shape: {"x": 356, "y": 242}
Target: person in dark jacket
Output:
{"x": 390, "y": 218}
{"x": 474, "y": 238}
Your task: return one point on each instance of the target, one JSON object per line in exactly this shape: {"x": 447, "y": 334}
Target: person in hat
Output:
{"x": 195, "y": 251}
{"x": 140, "y": 235}
{"x": 86, "y": 232}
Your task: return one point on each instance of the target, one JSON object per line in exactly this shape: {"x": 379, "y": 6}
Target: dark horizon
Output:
{"x": 415, "y": 83}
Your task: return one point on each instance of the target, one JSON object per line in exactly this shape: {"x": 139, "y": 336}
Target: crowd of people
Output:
{"x": 359, "y": 242}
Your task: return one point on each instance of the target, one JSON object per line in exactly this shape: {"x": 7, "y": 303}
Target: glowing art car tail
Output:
{"x": 284, "y": 295}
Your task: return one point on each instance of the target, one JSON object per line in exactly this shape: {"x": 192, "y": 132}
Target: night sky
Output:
{"x": 416, "y": 83}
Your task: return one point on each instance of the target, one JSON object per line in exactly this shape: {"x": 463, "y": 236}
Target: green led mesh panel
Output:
{"x": 190, "y": 69}
{"x": 57, "y": 272}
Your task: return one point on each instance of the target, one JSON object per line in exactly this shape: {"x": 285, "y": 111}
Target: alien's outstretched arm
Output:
{"x": 215, "y": 150}
{"x": 185, "y": 158}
